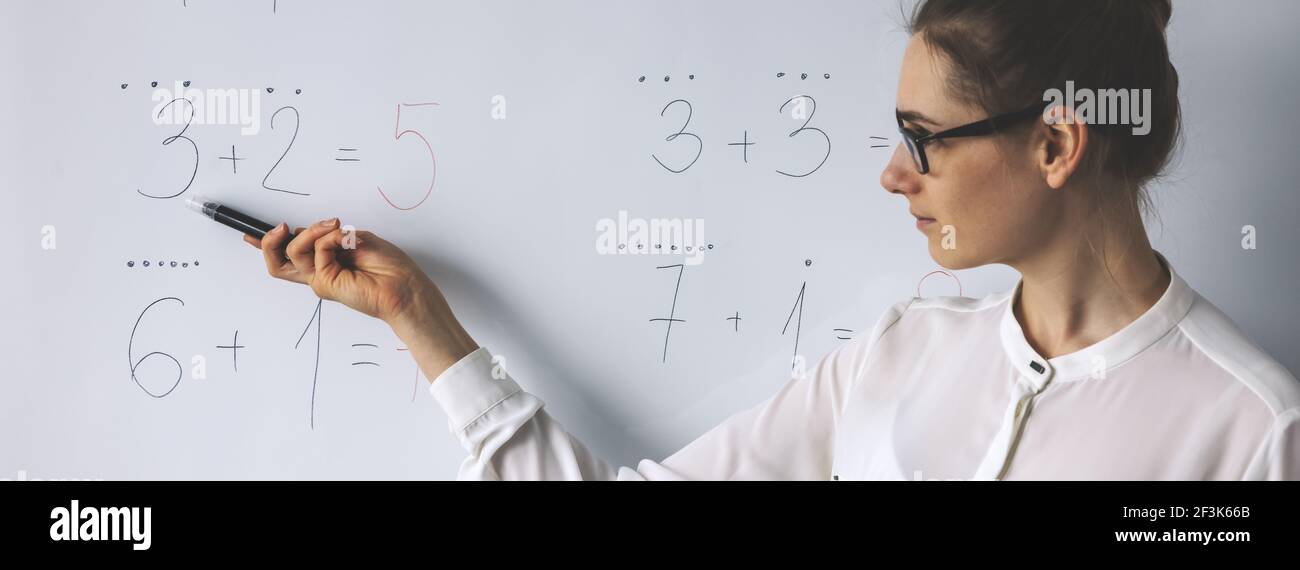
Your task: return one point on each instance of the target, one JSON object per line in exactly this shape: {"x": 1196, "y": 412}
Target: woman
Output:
{"x": 1100, "y": 364}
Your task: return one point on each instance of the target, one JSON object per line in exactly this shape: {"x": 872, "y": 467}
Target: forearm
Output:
{"x": 504, "y": 428}
{"x": 432, "y": 334}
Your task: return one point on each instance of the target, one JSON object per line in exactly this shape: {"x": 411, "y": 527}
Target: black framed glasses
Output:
{"x": 916, "y": 143}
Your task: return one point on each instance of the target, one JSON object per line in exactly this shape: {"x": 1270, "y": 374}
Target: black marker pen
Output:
{"x": 229, "y": 216}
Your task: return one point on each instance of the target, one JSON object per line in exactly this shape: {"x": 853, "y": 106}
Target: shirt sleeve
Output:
{"x": 1278, "y": 457}
{"x": 789, "y": 436}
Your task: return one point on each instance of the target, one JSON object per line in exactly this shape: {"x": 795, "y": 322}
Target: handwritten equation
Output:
{"x": 214, "y": 106}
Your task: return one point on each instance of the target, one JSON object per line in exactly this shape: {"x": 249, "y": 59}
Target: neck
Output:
{"x": 1085, "y": 287}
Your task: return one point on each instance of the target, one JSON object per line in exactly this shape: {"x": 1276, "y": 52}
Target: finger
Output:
{"x": 300, "y": 248}
{"x": 273, "y": 251}
{"x": 250, "y": 240}
{"x": 326, "y": 258}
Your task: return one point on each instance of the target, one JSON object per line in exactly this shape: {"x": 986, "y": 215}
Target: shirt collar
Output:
{"x": 1110, "y": 352}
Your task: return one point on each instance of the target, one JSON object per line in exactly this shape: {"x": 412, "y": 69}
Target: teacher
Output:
{"x": 1101, "y": 363}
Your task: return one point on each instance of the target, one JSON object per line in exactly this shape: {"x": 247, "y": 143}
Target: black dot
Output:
{"x": 710, "y": 246}
{"x": 160, "y": 264}
{"x": 123, "y": 86}
{"x": 186, "y": 84}
{"x": 297, "y": 91}
{"x": 674, "y": 248}
{"x": 827, "y": 75}
{"x": 638, "y": 246}
{"x": 185, "y": 264}
{"x": 807, "y": 263}
{"x": 666, "y": 79}
{"x": 641, "y": 79}
{"x": 173, "y": 264}
{"x": 803, "y": 76}
{"x": 146, "y": 264}
{"x": 153, "y": 83}
{"x": 782, "y": 74}
{"x": 691, "y": 76}
{"x": 659, "y": 246}
{"x": 130, "y": 264}
{"x": 196, "y": 263}
{"x": 621, "y": 246}
{"x": 270, "y": 90}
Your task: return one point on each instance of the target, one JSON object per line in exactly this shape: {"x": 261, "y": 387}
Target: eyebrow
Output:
{"x": 915, "y": 117}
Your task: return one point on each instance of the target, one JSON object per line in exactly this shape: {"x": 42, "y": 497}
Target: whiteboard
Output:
{"x": 491, "y": 140}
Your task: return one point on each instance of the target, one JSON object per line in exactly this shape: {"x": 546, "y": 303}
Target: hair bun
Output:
{"x": 1162, "y": 10}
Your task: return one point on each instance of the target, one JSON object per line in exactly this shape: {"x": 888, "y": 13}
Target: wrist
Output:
{"x": 432, "y": 334}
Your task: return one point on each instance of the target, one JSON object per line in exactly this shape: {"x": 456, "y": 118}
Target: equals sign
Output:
{"x": 365, "y": 362}
{"x": 877, "y": 145}
{"x": 346, "y": 157}
{"x": 847, "y": 331}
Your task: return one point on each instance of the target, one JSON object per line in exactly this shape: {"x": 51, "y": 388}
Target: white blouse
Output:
{"x": 948, "y": 388}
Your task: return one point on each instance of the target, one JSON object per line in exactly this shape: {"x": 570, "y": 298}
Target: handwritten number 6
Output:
{"x": 805, "y": 127}
{"x": 172, "y": 139}
{"x": 699, "y": 143}
{"x": 135, "y": 364}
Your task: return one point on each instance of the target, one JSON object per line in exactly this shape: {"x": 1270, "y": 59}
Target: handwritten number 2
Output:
{"x": 297, "y": 120}
{"x": 699, "y": 143}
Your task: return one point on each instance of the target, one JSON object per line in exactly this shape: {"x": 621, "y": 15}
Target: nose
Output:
{"x": 900, "y": 176}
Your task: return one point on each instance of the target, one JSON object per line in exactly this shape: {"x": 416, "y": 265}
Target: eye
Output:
{"x": 915, "y": 131}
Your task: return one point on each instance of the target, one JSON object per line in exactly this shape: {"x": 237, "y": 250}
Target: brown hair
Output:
{"x": 1006, "y": 53}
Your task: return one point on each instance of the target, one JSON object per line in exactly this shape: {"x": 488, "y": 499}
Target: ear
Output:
{"x": 1062, "y": 146}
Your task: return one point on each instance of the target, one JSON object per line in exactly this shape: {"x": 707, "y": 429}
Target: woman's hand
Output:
{"x": 375, "y": 277}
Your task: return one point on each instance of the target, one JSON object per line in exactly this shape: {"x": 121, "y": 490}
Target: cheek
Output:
{"x": 980, "y": 200}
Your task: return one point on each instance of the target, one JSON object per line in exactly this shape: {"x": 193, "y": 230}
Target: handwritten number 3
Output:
{"x": 699, "y": 143}
{"x": 169, "y": 140}
{"x": 805, "y": 127}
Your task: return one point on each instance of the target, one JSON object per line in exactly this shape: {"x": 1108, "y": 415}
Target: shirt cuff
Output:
{"x": 467, "y": 389}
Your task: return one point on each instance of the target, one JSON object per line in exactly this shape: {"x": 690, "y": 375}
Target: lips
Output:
{"x": 922, "y": 222}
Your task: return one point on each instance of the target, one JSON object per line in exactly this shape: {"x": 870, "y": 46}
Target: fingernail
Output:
{"x": 330, "y": 222}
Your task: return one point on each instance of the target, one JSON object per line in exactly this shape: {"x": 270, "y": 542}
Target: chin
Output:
{"x": 953, "y": 259}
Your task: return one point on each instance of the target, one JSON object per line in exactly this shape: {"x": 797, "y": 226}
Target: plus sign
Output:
{"x": 234, "y": 350}
{"x": 744, "y": 146}
{"x": 234, "y": 160}
{"x": 736, "y": 319}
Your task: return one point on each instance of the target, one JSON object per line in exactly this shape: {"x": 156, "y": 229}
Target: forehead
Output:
{"x": 922, "y": 85}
